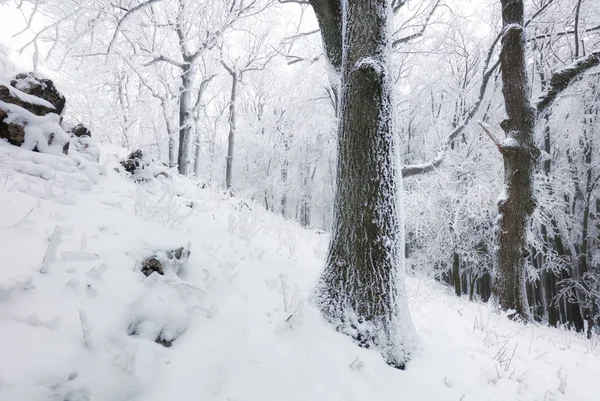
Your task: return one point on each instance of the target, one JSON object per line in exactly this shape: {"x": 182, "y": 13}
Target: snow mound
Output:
{"x": 48, "y": 176}
{"x": 79, "y": 321}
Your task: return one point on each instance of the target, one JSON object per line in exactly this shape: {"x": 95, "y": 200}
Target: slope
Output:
{"x": 78, "y": 320}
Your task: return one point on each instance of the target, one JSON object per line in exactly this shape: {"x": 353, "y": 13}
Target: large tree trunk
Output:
{"x": 361, "y": 287}
{"x": 185, "y": 119}
{"x": 519, "y": 154}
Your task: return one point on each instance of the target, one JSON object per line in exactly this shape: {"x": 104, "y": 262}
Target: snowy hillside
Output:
{"x": 79, "y": 320}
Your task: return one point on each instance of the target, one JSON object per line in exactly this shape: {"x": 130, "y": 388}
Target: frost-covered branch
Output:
{"x": 564, "y": 33}
{"x": 157, "y": 59}
{"x": 539, "y": 12}
{"x": 488, "y": 130}
{"x": 421, "y": 31}
{"x": 398, "y": 4}
{"x": 423, "y": 168}
{"x": 128, "y": 14}
{"x": 562, "y": 78}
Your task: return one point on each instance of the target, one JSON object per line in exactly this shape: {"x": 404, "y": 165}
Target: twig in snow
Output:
{"x": 562, "y": 377}
{"x": 357, "y": 364}
{"x": 23, "y": 219}
{"x": 511, "y": 357}
{"x": 50, "y": 255}
{"x": 85, "y": 329}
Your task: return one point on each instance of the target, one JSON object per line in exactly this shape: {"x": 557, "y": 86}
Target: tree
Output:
{"x": 520, "y": 154}
{"x": 175, "y": 33}
{"x": 255, "y": 61}
{"x": 361, "y": 288}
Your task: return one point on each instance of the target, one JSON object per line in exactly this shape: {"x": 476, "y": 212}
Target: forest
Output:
{"x": 453, "y": 140}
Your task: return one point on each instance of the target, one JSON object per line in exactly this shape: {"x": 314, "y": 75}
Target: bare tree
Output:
{"x": 255, "y": 60}
{"x": 520, "y": 153}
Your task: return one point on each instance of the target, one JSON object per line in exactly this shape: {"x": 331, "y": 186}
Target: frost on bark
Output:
{"x": 185, "y": 119}
{"x": 361, "y": 288}
{"x": 519, "y": 154}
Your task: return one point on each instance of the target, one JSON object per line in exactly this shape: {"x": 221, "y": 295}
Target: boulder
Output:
{"x": 33, "y": 84}
{"x": 32, "y": 104}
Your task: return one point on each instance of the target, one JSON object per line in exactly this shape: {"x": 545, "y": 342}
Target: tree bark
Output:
{"x": 197, "y": 157}
{"x": 456, "y": 274}
{"x": 519, "y": 154}
{"x": 185, "y": 118}
{"x": 232, "y": 126}
{"x": 361, "y": 287}
{"x": 329, "y": 16}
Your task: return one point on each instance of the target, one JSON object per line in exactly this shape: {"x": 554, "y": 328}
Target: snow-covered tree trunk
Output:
{"x": 520, "y": 155}
{"x": 198, "y": 156}
{"x": 232, "y": 127}
{"x": 362, "y": 286}
{"x": 185, "y": 119}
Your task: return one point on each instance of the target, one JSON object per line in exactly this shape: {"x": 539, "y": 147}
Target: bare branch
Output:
{"x": 128, "y": 14}
{"x": 157, "y": 59}
{"x": 539, "y": 12}
{"x": 201, "y": 90}
{"x": 229, "y": 69}
{"x": 417, "y": 169}
{"x": 488, "y": 130}
{"x": 562, "y": 78}
{"x": 29, "y": 20}
{"x": 564, "y": 33}
{"x": 398, "y": 4}
{"x": 421, "y": 31}
{"x": 424, "y": 168}
{"x": 299, "y": 35}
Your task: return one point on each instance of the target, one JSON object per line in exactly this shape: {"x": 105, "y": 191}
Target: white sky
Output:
{"x": 11, "y": 22}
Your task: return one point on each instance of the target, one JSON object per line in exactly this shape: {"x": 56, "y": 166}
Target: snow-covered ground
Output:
{"x": 71, "y": 295}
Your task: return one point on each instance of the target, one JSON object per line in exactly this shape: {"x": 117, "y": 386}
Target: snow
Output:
{"x": 25, "y": 97}
{"x": 238, "y": 313}
{"x": 43, "y": 132}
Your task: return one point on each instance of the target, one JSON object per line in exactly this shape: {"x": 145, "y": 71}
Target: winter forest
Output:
{"x": 198, "y": 194}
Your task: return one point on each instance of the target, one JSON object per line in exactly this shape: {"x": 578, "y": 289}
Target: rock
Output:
{"x": 33, "y": 102}
{"x": 33, "y": 84}
{"x": 13, "y": 133}
{"x": 142, "y": 167}
{"x": 152, "y": 265}
{"x": 134, "y": 162}
{"x": 162, "y": 261}
{"x": 80, "y": 130}
{"x": 37, "y": 109}
{"x": 164, "y": 342}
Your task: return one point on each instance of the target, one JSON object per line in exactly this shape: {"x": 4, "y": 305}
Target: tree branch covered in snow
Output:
{"x": 562, "y": 78}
